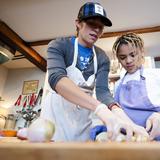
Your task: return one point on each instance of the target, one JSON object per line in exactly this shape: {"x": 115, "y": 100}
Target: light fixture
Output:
{"x": 5, "y": 55}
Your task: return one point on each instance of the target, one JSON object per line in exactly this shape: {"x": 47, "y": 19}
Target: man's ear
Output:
{"x": 77, "y": 23}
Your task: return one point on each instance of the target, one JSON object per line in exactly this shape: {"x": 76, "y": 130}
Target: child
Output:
{"x": 138, "y": 91}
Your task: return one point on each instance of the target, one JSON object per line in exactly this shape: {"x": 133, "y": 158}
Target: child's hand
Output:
{"x": 153, "y": 125}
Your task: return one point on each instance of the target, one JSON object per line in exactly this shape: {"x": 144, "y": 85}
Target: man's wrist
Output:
{"x": 114, "y": 105}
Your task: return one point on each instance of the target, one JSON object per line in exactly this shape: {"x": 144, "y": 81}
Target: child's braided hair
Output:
{"x": 128, "y": 38}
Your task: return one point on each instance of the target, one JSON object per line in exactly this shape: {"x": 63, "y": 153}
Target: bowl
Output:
{"x": 8, "y": 133}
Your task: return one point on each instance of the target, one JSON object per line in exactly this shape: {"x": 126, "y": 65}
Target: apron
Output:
{"x": 134, "y": 100}
{"x": 72, "y": 122}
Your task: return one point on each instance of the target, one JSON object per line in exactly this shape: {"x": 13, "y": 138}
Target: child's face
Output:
{"x": 130, "y": 57}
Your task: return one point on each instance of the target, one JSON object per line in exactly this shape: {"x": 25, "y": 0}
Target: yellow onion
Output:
{"x": 41, "y": 130}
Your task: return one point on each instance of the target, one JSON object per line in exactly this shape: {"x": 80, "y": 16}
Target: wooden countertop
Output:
{"x": 14, "y": 149}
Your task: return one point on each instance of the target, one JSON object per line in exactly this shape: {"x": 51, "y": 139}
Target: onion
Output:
{"x": 120, "y": 138}
{"x": 102, "y": 137}
{"x": 22, "y": 133}
{"x": 41, "y": 130}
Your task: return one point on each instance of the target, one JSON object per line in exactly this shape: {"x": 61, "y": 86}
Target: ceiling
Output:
{"x": 40, "y": 20}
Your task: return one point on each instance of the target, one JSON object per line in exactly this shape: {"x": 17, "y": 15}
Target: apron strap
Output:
{"x": 75, "y": 52}
{"x": 95, "y": 60}
{"x": 141, "y": 73}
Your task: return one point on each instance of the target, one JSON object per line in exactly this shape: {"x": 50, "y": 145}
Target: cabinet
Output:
{"x": 112, "y": 80}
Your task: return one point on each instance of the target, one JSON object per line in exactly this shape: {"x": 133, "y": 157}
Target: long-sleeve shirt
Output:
{"x": 60, "y": 56}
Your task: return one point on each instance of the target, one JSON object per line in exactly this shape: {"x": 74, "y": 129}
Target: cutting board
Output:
{"x": 14, "y": 149}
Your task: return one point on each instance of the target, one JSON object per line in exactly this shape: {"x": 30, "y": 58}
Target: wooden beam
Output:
{"x": 8, "y": 36}
{"x": 39, "y": 43}
{"x": 138, "y": 31}
{"x": 105, "y": 35}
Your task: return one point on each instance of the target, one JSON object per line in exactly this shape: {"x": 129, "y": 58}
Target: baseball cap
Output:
{"x": 91, "y": 10}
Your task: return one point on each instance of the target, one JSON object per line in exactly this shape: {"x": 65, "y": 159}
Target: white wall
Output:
{"x": 151, "y": 44}
{"x": 14, "y": 83}
{"x": 3, "y": 77}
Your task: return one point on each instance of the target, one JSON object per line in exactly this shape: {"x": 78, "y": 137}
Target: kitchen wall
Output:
{"x": 151, "y": 44}
{"x": 3, "y": 77}
{"x": 13, "y": 85}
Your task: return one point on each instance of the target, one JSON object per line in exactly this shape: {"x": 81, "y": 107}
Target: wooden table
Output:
{"x": 14, "y": 149}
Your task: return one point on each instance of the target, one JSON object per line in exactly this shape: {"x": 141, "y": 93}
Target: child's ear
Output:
{"x": 143, "y": 52}
{"x": 143, "y": 56}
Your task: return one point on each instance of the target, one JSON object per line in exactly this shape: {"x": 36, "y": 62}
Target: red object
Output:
{"x": 24, "y": 105}
{"x": 18, "y": 101}
{"x": 32, "y": 100}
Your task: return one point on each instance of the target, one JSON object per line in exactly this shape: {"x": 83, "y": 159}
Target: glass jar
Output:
{"x": 10, "y": 122}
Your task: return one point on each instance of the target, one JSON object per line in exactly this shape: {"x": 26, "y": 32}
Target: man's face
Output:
{"x": 89, "y": 31}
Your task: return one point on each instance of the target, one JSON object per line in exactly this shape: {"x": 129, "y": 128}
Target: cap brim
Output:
{"x": 105, "y": 20}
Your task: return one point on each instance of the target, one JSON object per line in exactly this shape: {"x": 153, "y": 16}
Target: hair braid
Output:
{"x": 128, "y": 38}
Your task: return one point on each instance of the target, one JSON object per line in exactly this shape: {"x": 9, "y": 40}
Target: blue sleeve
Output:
{"x": 96, "y": 130}
{"x": 101, "y": 128}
